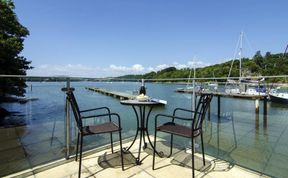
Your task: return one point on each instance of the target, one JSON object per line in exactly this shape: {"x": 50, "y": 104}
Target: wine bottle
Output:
{"x": 142, "y": 89}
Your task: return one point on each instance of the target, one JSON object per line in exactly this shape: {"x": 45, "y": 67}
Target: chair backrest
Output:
{"x": 200, "y": 111}
{"x": 75, "y": 108}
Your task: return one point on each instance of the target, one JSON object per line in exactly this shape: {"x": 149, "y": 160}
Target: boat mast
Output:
{"x": 238, "y": 49}
{"x": 285, "y": 51}
{"x": 194, "y": 92}
{"x": 188, "y": 82}
{"x": 240, "y": 55}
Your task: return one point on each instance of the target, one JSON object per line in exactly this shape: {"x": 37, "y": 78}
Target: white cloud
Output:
{"x": 181, "y": 66}
{"x": 74, "y": 70}
{"x": 150, "y": 69}
{"x": 80, "y": 70}
{"x": 197, "y": 63}
{"x": 133, "y": 68}
{"x": 161, "y": 67}
{"x": 118, "y": 68}
{"x": 138, "y": 67}
{"x": 189, "y": 64}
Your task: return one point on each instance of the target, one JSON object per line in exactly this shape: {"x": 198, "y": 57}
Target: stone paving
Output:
{"x": 104, "y": 164}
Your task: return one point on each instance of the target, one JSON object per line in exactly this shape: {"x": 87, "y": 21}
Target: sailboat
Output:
{"x": 232, "y": 85}
{"x": 213, "y": 86}
{"x": 189, "y": 88}
{"x": 280, "y": 94}
{"x": 244, "y": 85}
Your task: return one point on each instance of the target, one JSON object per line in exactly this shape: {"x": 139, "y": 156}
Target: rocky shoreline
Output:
{"x": 12, "y": 118}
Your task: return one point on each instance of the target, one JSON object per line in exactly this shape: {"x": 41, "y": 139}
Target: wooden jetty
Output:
{"x": 234, "y": 95}
{"x": 257, "y": 98}
{"x": 242, "y": 96}
{"x": 115, "y": 94}
{"x": 126, "y": 96}
{"x": 121, "y": 95}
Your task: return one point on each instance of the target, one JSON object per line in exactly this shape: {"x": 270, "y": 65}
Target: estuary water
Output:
{"x": 239, "y": 136}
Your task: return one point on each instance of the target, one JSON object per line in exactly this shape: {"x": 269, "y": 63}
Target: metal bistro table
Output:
{"x": 142, "y": 122}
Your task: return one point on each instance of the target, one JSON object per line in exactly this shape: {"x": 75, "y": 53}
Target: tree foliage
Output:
{"x": 12, "y": 35}
{"x": 268, "y": 65}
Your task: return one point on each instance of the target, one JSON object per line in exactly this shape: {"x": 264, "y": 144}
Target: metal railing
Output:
{"x": 235, "y": 108}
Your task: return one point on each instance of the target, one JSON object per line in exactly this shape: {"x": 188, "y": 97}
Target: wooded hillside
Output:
{"x": 259, "y": 65}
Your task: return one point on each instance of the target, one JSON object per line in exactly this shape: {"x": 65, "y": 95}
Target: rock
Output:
{"x": 25, "y": 100}
{"x": 3, "y": 113}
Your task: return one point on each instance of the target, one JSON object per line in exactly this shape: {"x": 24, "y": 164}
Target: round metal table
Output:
{"x": 142, "y": 117}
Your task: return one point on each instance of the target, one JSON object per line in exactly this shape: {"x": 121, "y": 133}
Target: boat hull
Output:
{"x": 279, "y": 98}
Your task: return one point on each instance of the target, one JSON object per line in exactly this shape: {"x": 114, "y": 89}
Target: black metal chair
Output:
{"x": 85, "y": 130}
{"x": 179, "y": 129}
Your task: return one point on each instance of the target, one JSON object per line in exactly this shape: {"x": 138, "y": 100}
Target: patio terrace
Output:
{"x": 102, "y": 163}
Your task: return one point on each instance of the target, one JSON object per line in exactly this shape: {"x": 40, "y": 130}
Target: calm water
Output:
{"x": 239, "y": 136}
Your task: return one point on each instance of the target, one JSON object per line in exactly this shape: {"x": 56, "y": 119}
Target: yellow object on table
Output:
{"x": 142, "y": 97}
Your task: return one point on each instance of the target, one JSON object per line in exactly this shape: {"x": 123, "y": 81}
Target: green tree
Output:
{"x": 269, "y": 65}
{"x": 12, "y": 35}
{"x": 258, "y": 58}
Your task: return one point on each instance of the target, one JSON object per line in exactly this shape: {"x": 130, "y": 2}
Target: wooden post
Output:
{"x": 209, "y": 111}
{"x": 265, "y": 106}
{"x": 265, "y": 113}
{"x": 257, "y": 106}
{"x": 257, "y": 121}
{"x": 219, "y": 106}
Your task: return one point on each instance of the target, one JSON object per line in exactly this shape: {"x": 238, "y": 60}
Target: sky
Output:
{"x": 108, "y": 38}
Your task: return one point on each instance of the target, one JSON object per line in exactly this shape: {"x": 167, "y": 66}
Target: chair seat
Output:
{"x": 101, "y": 128}
{"x": 177, "y": 129}
{"x": 192, "y": 131}
{"x": 107, "y": 127}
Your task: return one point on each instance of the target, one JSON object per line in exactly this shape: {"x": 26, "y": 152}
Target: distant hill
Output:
{"x": 259, "y": 65}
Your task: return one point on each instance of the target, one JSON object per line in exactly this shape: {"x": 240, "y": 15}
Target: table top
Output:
{"x": 137, "y": 102}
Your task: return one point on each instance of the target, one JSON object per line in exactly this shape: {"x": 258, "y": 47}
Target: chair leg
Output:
{"x": 192, "y": 150}
{"x": 171, "y": 145}
{"x": 203, "y": 153}
{"x": 77, "y": 146}
{"x": 80, "y": 157}
{"x": 154, "y": 150}
{"x": 111, "y": 141}
{"x": 121, "y": 150}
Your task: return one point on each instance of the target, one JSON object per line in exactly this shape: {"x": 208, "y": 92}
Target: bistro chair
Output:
{"x": 176, "y": 128}
{"x": 86, "y": 130}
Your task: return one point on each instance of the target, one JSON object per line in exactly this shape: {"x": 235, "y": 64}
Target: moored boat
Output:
{"x": 279, "y": 95}
{"x": 188, "y": 89}
{"x": 255, "y": 90}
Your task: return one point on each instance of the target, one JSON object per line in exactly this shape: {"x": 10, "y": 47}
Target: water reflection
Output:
{"x": 223, "y": 125}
